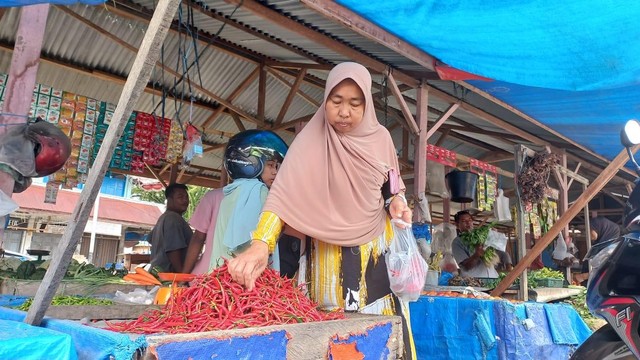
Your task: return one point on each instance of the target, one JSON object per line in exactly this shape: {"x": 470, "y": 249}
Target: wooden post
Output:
{"x": 262, "y": 94}
{"x": 523, "y": 290}
{"x": 587, "y": 222}
{"x": 441, "y": 120}
{"x": 22, "y": 79}
{"x": 597, "y": 185}
{"x": 403, "y": 104}
{"x": 420, "y": 157}
{"x": 136, "y": 82}
{"x": 173, "y": 176}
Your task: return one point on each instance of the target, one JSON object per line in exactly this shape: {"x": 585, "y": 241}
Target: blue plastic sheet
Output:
{"x": 372, "y": 344}
{"x": 13, "y": 3}
{"x": 571, "y": 65}
{"x": 446, "y": 328}
{"x": 12, "y": 300}
{"x": 21, "y": 341}
{"x": 591, "y": 118}
{"x": 565, "y": 324}
{"x": 90, "y": 343}
{"x": 271, "y": 346}
{"x": 459, "y": 328}
{"x": 570, "y": 45}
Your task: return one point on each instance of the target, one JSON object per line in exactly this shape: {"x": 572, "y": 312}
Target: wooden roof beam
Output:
{"x": 489, "y": 118}
{"x": 537, "y": 123}
{"x": 236, "y": 92}
{"x": 453, "y": 107}
{"x": 292, "y": 93}
{"x": 408, "y": 116}
{"x": 297, "y": 65}
{"x": 364, "y": 27}
{"x": 277, "y": 18}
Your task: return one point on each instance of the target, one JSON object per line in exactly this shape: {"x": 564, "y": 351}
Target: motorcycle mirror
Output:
{"x": 630, "y": 134}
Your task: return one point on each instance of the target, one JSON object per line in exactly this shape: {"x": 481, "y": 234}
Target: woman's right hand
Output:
{"x": 247, "y": 266}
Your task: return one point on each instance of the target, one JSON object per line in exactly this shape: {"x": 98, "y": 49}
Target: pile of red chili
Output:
{"x": 215, "y": 302}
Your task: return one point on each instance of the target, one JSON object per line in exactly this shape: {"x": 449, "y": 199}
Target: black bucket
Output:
{"x": 462, "y": 186}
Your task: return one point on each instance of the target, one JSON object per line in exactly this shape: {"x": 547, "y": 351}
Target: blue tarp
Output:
{"x": 13, "y": 3}
{"x": 570, "y": 45}
{"x": 459, "y": 328}
{"x": 21, "y": 341}
{"x": 591, "y": 118}
{"x": 89, "y": 343}
{"x": 572, "y": 65}
{"x": 270, "y": 346}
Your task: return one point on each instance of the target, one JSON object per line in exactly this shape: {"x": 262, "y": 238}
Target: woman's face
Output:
{"x": 345, "y": 106}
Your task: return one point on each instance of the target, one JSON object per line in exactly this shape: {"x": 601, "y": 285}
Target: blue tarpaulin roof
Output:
{"x": 572, "y": 65}
{"x": 14, "y": 3}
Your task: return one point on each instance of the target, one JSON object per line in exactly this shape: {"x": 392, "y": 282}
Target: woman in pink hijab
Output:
{"x": 330, "y": 188}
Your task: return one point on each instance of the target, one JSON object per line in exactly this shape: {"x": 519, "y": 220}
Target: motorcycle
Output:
{"x": 613, "y": 288}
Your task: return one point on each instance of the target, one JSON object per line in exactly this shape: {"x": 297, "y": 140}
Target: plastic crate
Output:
{"x": 553, "y": 283}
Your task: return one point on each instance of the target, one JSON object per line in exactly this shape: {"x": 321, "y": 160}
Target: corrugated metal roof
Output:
{"x": 97, "y": 64}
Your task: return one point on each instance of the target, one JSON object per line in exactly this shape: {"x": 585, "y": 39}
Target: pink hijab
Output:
{"x": 329, "y": 185}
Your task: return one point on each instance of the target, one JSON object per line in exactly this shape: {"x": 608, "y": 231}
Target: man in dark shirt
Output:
{"x": 171, "y": 235}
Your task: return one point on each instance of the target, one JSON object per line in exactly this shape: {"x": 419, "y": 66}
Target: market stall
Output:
{"x": 210, "y": 317}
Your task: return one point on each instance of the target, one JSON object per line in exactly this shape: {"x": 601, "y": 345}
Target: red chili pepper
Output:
{"x": 215, "y": 302}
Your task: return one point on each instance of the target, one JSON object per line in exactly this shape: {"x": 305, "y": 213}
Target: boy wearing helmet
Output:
{"x": 252, "y": 159}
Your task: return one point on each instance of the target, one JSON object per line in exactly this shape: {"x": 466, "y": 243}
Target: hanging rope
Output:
{"x": 385, "y": 95}
{"x": 198, "y": 56}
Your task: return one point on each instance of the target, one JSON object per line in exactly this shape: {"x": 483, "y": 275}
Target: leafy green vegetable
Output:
{"x": 478, "y": 236}
{"x": 579, "y": 302}
{"x": 69, "y": 300}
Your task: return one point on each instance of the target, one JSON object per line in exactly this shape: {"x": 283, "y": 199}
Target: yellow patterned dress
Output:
{"x": 351, "y": 278}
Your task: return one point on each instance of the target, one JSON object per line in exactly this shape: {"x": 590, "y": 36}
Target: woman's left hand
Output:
{"x": 398, "y": 209}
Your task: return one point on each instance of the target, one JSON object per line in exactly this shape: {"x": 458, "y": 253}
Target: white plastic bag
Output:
{"x": 406, "y": 268}
{"x": 496, "y": 240}
{"x": 423, "y": 206}
{"x": 7, "y": 205}
{"x": 137, "y": 296}
{"x": 425, "y": 249}
{"x": 443, "y": 235}
{"x": 436, "y": 184}
{"x": 501, "y": 208}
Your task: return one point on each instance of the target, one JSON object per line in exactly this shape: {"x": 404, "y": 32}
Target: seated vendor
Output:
{"x": 470, "y": 258}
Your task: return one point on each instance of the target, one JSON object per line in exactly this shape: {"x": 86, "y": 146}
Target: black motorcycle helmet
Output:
{"x": 247, "y": 152}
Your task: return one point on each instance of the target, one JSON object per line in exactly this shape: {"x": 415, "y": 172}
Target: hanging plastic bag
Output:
{"x": 449, "y": 264}
{"x": 193, "y": 145}
{"x": 496, "y": 240}
{"x": 436, "y": 184}
{"x": 423, "y": 206}
{"x": 406, "y": 268}
{"x": 443, "y": 235}
{"x": 501, "y": 207}
{"x": 7, "y": 205}
{"x": 423, "y": 238}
